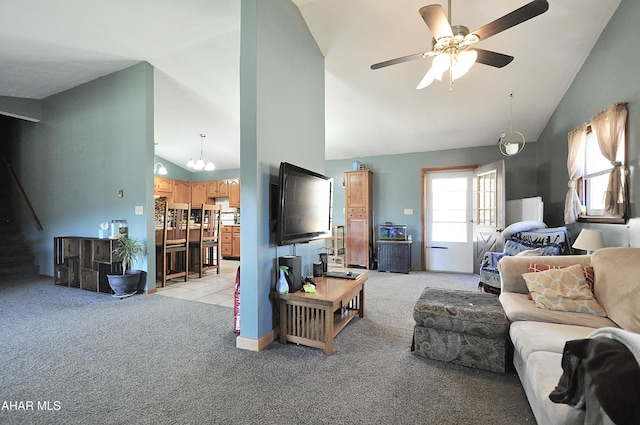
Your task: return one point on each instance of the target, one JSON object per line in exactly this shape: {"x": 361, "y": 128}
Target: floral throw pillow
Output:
{"x": 563, "y": 289}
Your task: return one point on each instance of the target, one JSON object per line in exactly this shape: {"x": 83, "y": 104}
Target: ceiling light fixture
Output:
{"x": 159, "y": 168}
{"x": 202, "y": 163}
{"x": 513, "y": 142}
{"x": 451, "y": 55}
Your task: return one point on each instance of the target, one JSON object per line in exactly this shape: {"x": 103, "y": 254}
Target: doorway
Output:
{"x": 449, "y": 221}
{"x": 463, "y": 215}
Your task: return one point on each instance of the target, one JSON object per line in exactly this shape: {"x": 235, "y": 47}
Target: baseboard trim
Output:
{"x": 255, "y": 344}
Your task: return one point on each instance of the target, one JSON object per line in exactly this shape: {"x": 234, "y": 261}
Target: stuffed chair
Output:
{"x": 525, "y": 238}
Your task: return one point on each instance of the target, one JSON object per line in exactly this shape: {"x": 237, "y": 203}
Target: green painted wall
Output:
{"x": 397, "y": 183}
{"x": 609, "y": 75}
{"x": 282, "y": 119}
{"x": 92, "y": 141}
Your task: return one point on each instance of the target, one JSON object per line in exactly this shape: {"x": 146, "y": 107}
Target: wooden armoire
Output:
{"x": 358, "y": 218}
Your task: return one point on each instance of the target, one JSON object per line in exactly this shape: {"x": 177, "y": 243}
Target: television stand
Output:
{"x": 314, "y": 319}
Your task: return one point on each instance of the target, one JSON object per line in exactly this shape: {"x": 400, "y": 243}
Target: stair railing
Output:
{"x": 23, "y": 196}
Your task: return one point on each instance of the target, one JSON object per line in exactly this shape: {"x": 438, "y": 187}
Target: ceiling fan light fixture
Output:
{"x": 441, "y": 63}
{"x": 467, "y": 58}
{"x": 454, "y": 40}
{"x": 463, "y": 62}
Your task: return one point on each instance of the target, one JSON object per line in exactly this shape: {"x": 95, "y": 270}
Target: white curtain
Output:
{"x": 609, "y": 127}
{"x": 576, "y": 140}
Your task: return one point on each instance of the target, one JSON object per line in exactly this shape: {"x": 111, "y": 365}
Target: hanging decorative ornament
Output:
{"x": 513, "y": 142}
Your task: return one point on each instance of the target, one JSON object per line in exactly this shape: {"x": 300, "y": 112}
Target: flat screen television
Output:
{"x": 305, "y": 202}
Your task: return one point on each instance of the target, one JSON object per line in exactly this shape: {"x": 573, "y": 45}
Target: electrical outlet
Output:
{"x": 408, "y": 211}
{"x": 139, "y": 210}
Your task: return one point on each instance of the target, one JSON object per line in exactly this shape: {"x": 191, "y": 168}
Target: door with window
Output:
{"x": 448, "y": 226}
{"x": 489, "y": 209}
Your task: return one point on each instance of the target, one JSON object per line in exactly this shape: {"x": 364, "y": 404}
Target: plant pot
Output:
{"x": 124, "y": 285}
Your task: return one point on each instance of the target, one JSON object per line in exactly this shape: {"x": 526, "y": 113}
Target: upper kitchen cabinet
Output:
{"x": 163, "y": 187}
{"x": 198, "y": 194}
{"x": 181, "y": 191}
{"x": 217, "y": 189}
{"x": 234, "y": 193}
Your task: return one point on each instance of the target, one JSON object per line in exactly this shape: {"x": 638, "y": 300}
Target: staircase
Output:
{"x": 16, "y": 260}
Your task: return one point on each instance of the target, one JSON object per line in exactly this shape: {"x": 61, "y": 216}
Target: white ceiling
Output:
{"x": 49, "y": 47}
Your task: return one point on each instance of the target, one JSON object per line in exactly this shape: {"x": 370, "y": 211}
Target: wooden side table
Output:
{"x": 314, "y": 319}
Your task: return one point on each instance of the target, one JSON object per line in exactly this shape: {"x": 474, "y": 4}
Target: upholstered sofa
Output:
{"x": 524, "y": 238}
{"x": 545, "y": 363}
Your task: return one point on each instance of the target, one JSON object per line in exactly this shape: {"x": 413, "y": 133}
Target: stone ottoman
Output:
{"x": 463, "y": 327}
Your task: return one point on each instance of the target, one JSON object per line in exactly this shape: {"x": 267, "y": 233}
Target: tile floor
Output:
{"x": 213, "y": 288}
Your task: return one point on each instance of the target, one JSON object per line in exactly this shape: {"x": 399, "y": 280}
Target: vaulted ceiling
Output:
{"x": 194, "y": 46}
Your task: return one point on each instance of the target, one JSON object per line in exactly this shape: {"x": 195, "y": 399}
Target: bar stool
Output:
{"x": 175, "y": 242}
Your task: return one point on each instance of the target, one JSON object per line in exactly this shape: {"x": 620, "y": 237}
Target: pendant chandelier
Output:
{"x": 513, "y": 142}
{"x": 202, "y": 163}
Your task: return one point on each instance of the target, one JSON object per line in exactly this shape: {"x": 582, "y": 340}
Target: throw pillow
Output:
{"x": 563, "y": 289}
{"x": 589, "y": 274}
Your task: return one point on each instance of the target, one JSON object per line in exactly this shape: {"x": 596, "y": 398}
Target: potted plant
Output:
{"x": 128, "y": 251}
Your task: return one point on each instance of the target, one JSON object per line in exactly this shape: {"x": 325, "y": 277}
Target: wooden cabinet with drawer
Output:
{"x": 358, "y": 218}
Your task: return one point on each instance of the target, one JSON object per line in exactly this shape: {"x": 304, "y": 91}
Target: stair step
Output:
{"x": 17, "y": 271}
{"x": 16, "y": 260}
{"x": 21, "y": 259}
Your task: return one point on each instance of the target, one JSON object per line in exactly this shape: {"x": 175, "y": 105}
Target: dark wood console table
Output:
{"x": 314, "y": 319}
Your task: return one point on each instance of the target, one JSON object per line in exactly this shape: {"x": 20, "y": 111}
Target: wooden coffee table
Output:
{"x": 314, "y": 319}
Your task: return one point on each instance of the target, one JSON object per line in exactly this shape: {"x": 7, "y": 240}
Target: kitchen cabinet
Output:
{"x": 235, "y": 243}
{"x": 230, "y": 244}
{"x": 163, "y": 187}
{"x": 217, "y": 189}
{"x": 358, "y": 218}
{"x": 198, "y": 194}
{"x": 234, "y": 193}
{"x": 181, "y": 191}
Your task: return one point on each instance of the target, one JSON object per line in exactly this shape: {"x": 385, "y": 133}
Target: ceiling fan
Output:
{"x": 452, "y": 44}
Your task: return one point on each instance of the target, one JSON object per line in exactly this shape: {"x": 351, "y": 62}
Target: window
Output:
{"x": 487, "y": 199}
{"x": 597, "y": 168}
{"x": 593, "y": 185}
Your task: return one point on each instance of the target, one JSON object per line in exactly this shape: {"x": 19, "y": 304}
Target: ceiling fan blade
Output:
{"x": 436, "y": 20}
{"x": 490, "y": 58}
{"x": 402, "y": 59}
{"x": 518, "y": 16}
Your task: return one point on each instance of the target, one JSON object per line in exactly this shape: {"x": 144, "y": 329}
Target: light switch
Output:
{"x": 408, "y": 211}
{"x": 139, "y": 210}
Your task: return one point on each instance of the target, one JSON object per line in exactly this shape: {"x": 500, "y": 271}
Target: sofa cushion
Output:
{"x": 563, "y": 289}
{"x": 517, "y": 307}
{"x": 529, "y": 337}
{"x": 543, "y": 369}
{"x": 617, "y": 285}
